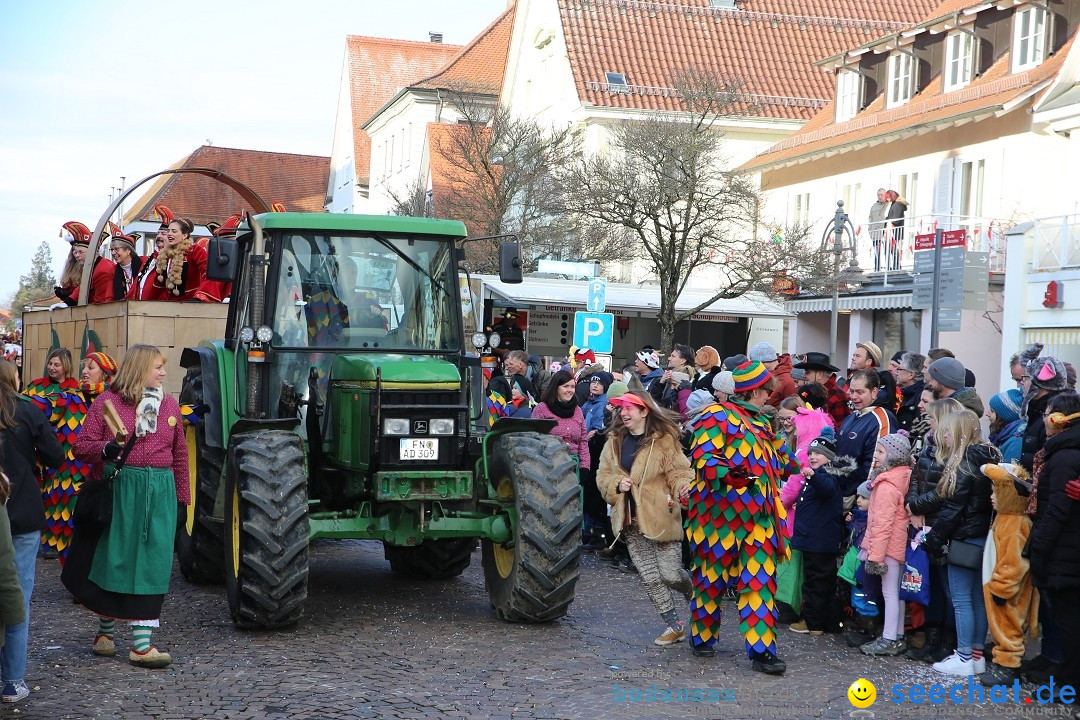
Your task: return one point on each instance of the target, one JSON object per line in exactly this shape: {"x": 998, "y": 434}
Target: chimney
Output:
{"x": 435, "y": 37}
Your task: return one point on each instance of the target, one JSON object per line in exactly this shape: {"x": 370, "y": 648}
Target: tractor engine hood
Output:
{"x": 397, "y": 371}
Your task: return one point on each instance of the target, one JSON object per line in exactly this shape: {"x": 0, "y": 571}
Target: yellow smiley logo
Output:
{"x": 862, "y": 693}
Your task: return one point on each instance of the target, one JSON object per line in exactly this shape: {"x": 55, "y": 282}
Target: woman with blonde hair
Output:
{"x": 123, "y": 570}
{"x": 26, "y": 436}
{"x": 60, "y": 397}
{"x": 962, "y": 523}
{"x": 644, "y": 475}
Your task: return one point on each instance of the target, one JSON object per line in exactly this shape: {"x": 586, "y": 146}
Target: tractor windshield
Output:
{"x": 365, "y": 292}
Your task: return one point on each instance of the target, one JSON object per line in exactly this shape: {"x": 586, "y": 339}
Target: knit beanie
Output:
{"x": 749, "y": 376}
{"x": 724, "y": 382}
{"x": 897, "y": 449}
{"x": 950, "y": 372}
{"x": 105, "y": 362}
{"x": 697, "y": 400}
{"x": 603, "y": 377}
{"x": 824, "y": 444}
{"x": 707, "y": 357}
{"x": 616, "y": 389}
{"x": 730, "y": 363}
{"x": 762, "y": 352}
{"x": 1006, "y": 405}
{"x": 864, "y": 489}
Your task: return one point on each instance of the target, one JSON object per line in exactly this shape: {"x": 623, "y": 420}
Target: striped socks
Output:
{"x": 106, "y": 627}
{"x": 140, "y": 637}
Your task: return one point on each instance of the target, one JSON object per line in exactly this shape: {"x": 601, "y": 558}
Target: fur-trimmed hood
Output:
{"x": 842, "y": 466}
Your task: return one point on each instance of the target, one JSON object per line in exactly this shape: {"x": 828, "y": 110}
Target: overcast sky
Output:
{"x": 95, "y": 91}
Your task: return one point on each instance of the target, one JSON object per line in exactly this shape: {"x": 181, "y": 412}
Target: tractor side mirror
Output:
{"x": 510, "y": 262}
{"x": 223, "y": 259}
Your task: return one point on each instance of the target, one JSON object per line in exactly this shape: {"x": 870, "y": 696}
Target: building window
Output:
{"x": 801, "y": 208}
{"x": 850, "y": 193}
{"x": 958, "y": 60}
{"x": 970, "y": 187}
{"x": 896, "y": 330}
{"x": 848, "y": 84}
{"x": 900, "y": 77}
{"x": 1029, "y": 38}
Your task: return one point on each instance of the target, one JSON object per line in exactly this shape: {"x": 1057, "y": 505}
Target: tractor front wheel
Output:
{"x": 532, "y": 577}
{"x": 431, "y": 559}
{"x": 266, "y": 529}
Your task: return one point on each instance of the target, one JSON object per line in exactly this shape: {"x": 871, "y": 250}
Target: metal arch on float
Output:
{"x": 258, "y": 205}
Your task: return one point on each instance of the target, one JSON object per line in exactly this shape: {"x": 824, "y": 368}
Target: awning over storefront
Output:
{"x": 880, "y": 301}
{"x": 1052, "y": 338}
{"x": 627, "y": 299}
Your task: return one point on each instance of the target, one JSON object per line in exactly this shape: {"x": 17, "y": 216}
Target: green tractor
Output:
{"x": 344, "y": 402}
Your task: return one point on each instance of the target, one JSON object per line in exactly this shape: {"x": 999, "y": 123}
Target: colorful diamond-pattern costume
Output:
{"x": 66, "y": 407}
{"x": 733, "y": 522}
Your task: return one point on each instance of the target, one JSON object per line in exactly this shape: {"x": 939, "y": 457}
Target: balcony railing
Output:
{"x": 886, "y": 250}
{"x": 1055, "y": 242}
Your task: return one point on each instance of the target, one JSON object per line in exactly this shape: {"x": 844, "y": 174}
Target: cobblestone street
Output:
{"x": 374, "y": 645}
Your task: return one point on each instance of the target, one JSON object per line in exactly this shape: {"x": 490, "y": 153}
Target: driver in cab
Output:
{"x": 371, "y": 315}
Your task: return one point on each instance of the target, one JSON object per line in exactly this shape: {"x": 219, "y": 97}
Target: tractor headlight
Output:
{"x": 495, "y": 339}
{"x": 395, "y": 426}
{"x": 264, "y": 334}
{"x": 479, "y": 340}
{"x": 247, "y": 335}
{"x": 441, "y": 426}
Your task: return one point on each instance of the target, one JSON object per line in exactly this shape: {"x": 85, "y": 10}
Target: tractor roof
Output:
{"x": 348, "y": 223}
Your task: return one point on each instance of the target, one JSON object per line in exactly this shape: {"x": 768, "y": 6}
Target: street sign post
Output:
{"x": 595, "y": 331}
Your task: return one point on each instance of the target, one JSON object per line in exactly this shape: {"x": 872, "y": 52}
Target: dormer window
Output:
{"x": 1029, "y": 38}
{"x": 901, "y": 76}
{"x": 959, "y": 57}
{"x": 848, "y": 85}
{"x": 616, "y": 82}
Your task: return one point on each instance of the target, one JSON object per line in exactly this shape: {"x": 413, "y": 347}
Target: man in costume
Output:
{"x": 734, "y": 518}
{"x": 145, "y": 281}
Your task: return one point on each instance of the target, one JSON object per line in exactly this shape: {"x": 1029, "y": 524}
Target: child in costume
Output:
{"x": 1011, "y": 601}
{"x": 735, "y": 518}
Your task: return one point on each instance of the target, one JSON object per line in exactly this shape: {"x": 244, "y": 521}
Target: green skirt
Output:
{"x": 135, "y": 552}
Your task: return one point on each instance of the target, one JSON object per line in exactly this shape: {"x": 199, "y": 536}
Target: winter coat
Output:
{"x": 1055, "y": 541}
{"x": 908, "y": 414}
{"x": 922, "y": 494}
{"x": 857, "y": 438}
{"x": 521, "y": 411}
{"x": 886, "y": 529}
{"x": 785, "y": 386}
{"x": 819, "y": 527}
{"x": 704, "y": 380}
{"x": 658, "y": 475}
{"x": 648, "y": 380}
{"x": 837, "y": 402}
{"x": 1010, "y": 440}
{"x": 970, "y": 399}
{"x": 967, "y": 512}
{"x": 30, "y": 431}
{"x": 12, "y": 600}
{"x": 808, "y": 426}
{"x": 1035, "y": 432}
{"x": 593, "y": 408}
{"x": 570, "y": 430}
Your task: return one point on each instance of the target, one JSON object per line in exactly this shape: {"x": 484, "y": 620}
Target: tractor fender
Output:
{"x": 205, "y": 358}
{"x": 506, "y": 425}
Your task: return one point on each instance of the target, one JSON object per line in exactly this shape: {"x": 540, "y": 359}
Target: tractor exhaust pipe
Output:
{"x": 255, "y": 315}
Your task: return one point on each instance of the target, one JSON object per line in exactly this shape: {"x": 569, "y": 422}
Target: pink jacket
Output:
{"x": 570, "y": 430}
{"x": 887, "y": 524}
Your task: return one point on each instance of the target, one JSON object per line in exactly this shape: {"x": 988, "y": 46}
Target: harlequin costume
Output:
{"x": 101, "y": 288}
{"x": 735, "y": 518}
{"x": 64, "y": 405}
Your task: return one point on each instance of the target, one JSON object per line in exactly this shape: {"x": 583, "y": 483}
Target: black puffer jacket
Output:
{"x": 1035, "y": 435}
{"x": 922, "y": 494}
{"x": 1055, "y": 538}
{"x": 968, "y": 511}
{"x": 30, "y": 431}
{"x": 909, "y": 406}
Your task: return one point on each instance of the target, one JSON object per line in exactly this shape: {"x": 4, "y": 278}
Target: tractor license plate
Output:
{"x": 419, "y": 449}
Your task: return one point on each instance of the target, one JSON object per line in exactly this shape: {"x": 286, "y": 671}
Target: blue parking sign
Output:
{"x": 594, "y": 331}
{"x": 597, "y": 296}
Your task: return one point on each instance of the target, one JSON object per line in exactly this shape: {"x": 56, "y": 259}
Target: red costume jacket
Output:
{"x": 194, "y": 277}
{"x": 101, "y": 283}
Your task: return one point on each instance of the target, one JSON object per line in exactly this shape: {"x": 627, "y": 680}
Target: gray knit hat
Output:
{"x": 762, "y": 352}
{"x": 824, "y": 444}
{"x": 724, "y": 382}
{"x": 950, "y": 372}
{"x": 864, "y": 489}
{"x": 730, "y": 363}
{"x": 698, "y": 400}
{"x": 897, "y": 448}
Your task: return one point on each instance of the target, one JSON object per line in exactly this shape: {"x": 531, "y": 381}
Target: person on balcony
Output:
{"x": 879, "y": 213}
{"x": 897, "y": 209}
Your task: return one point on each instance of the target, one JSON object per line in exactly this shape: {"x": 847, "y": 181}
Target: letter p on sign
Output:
{"x": 594, "y": 331}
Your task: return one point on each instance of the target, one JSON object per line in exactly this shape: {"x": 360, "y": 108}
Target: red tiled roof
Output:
{"x": 481, "y": 64}
{"x": 992, "y": 92}
{"x": 768, "y": 45}
{"x": 298, "y": 181}
{"x": 378, "y": 69}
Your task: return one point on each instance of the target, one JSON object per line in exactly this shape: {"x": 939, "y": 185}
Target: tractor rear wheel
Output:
{"x": 532, "y": 578}
{"x": 200, "y": 545}
{"x": 431, "y": 559}
{"x": 266, "y": 529}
